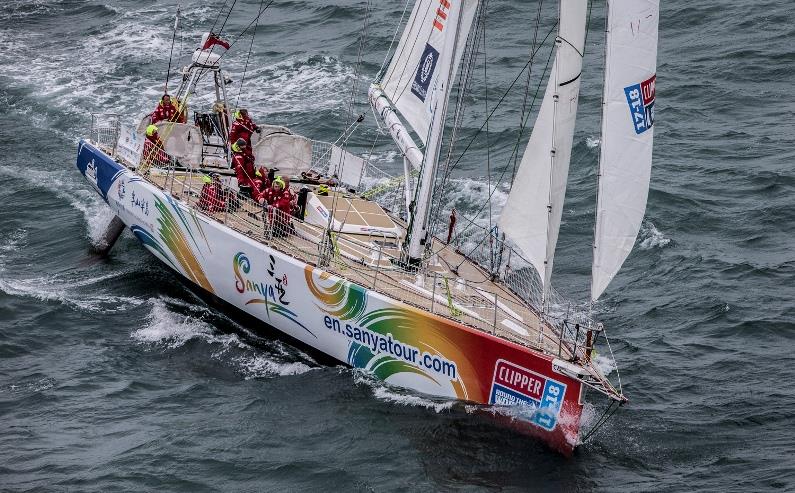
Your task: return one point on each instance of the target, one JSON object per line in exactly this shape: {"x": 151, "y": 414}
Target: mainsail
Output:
{"x": 414, "y": 72}
{"x": 627, "y": 132}
{"x": 531, "y": 217}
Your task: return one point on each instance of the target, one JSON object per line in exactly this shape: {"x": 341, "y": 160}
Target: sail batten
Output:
{"x": 531, "y": 217}
{"x": 627, "y": 134}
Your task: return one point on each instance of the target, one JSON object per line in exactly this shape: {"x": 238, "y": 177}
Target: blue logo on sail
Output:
{"x": 640, "y": 98}
{"x": 419, "y": 87}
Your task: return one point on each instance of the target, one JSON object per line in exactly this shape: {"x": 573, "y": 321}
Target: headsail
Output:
{"x": 531, "y": 217}
{"x": 627, "y": 134}
{"x": 413, "y": 73}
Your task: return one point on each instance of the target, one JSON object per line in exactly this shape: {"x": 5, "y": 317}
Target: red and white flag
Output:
{"x": 211, "y": 39}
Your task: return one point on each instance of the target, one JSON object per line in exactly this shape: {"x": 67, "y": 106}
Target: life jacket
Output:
{"x": 243, "y": 164}
{"x": 164, "y": 112}
{"x": 242, "y": 128}
{"x": 153, "y": 149}
{"x": 211, "y": 198}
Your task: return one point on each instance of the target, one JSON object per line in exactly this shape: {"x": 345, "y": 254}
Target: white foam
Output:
{"x": 260, "y": 366}
{"x": 650, "y": 237}
{"x": 67, "y": 290}
{"x": 593, "y": 142}
{"x": 384, "y": 391}
{"x": 65, "y": 185}
{"x": 411, "y": 400}
{"x": 173, "y": 329}
{"x": 604, "y": 364}
{"x": 12, "y": 243}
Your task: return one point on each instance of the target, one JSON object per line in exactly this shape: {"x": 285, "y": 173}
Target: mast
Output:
{"x": 418, "y": 231}
{"x": 416, "y": 84}
{"x": 627, "y": 135}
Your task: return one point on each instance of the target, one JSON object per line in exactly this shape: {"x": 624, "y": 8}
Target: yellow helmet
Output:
{"x": 280, "y": 181}
{"x": 207, "y": 179}
{"x": 151, "y": 130}
{"x": 322, "y": 189}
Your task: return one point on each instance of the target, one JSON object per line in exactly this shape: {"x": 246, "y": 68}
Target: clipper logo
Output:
{"x": 640, "y": 98}
{"x": 514, "y": 385}
{"x": 419, "y": 87}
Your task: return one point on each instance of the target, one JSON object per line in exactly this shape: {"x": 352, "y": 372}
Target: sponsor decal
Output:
{"x": 640, "y": 98}
{"x": 275, "y": 290}
{"x": 271, "y": 293}
{"x": 91, "y": 170}
{"x": 515, "y": 385}
{"x": 121, "y": 188}
{"x": 441, "y": 14}
{"x": 419, "y": 87}
{"x": 393, "y": 348}
{"x": 137, "y": 202}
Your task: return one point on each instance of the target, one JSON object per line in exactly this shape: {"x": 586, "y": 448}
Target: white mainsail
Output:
{"x": 627, "y": 134}
{"x": 414, "y": 71}
{"x": 531, "y": 216}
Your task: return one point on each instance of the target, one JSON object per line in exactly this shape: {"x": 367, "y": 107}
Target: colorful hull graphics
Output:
{"x": 400, "y": 344}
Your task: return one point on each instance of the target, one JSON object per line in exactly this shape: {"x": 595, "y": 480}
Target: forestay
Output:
{"x": 532, "y": 214}
{"x": 410, "y": 80}
{"x": 627, "y": 133}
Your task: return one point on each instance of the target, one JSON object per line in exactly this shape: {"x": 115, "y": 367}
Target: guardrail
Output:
{"x": 380, "y": 269}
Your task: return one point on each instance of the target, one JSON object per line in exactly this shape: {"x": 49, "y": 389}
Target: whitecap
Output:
{"x": 67, "y": 290}
{"x": 384, "y": 393}
{"x": 172, "y": 329}
{"x": 261, "y": 365}
{"x": 593, "y": 142}
{"x": 650, "y": 237}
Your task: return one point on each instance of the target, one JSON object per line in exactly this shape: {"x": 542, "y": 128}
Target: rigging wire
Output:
{"x": 248, "y": 57}
{"x": 256, "y": 19}
{"x": 171, "y": 54}
{"x": 502, "y": 174}
{"x": 359, "y": 58}
{"x": 464, "y": 84}
{"x": 523, "y": 116}
{"x": 388, "y": 58}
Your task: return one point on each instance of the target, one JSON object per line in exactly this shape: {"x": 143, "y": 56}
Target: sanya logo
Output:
{"x": 271, "y": 294}
{"x": 515, "y": 385}
{"x": 640, "y": 98}
{"x": 275, "y": 290}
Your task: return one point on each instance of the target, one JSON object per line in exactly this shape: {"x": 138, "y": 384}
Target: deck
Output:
{"x": 453, "y": 287}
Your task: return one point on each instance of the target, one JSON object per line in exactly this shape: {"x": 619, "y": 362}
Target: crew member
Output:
{"x": 243, "y": 127}
{"x": 451, "y": 226}
{"x": 243, "y": 163}
{"x": 166, "y": 110}
{"x": 261, "y": 181}
{"x": 272, "y": 194}
{"x": 153, "y": 151}
{"x": 212, "y": 194}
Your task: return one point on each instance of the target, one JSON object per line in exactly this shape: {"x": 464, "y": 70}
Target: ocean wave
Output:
{"x": 388, "y": 393}
{"x": 261, "y": 365}
{"x": 69, "y": 290}
{"x": 68, "y": 186}
{"x": 172, "y": 329}
{"x": 12, "y": 243}
{"x": 650, "y": 237}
